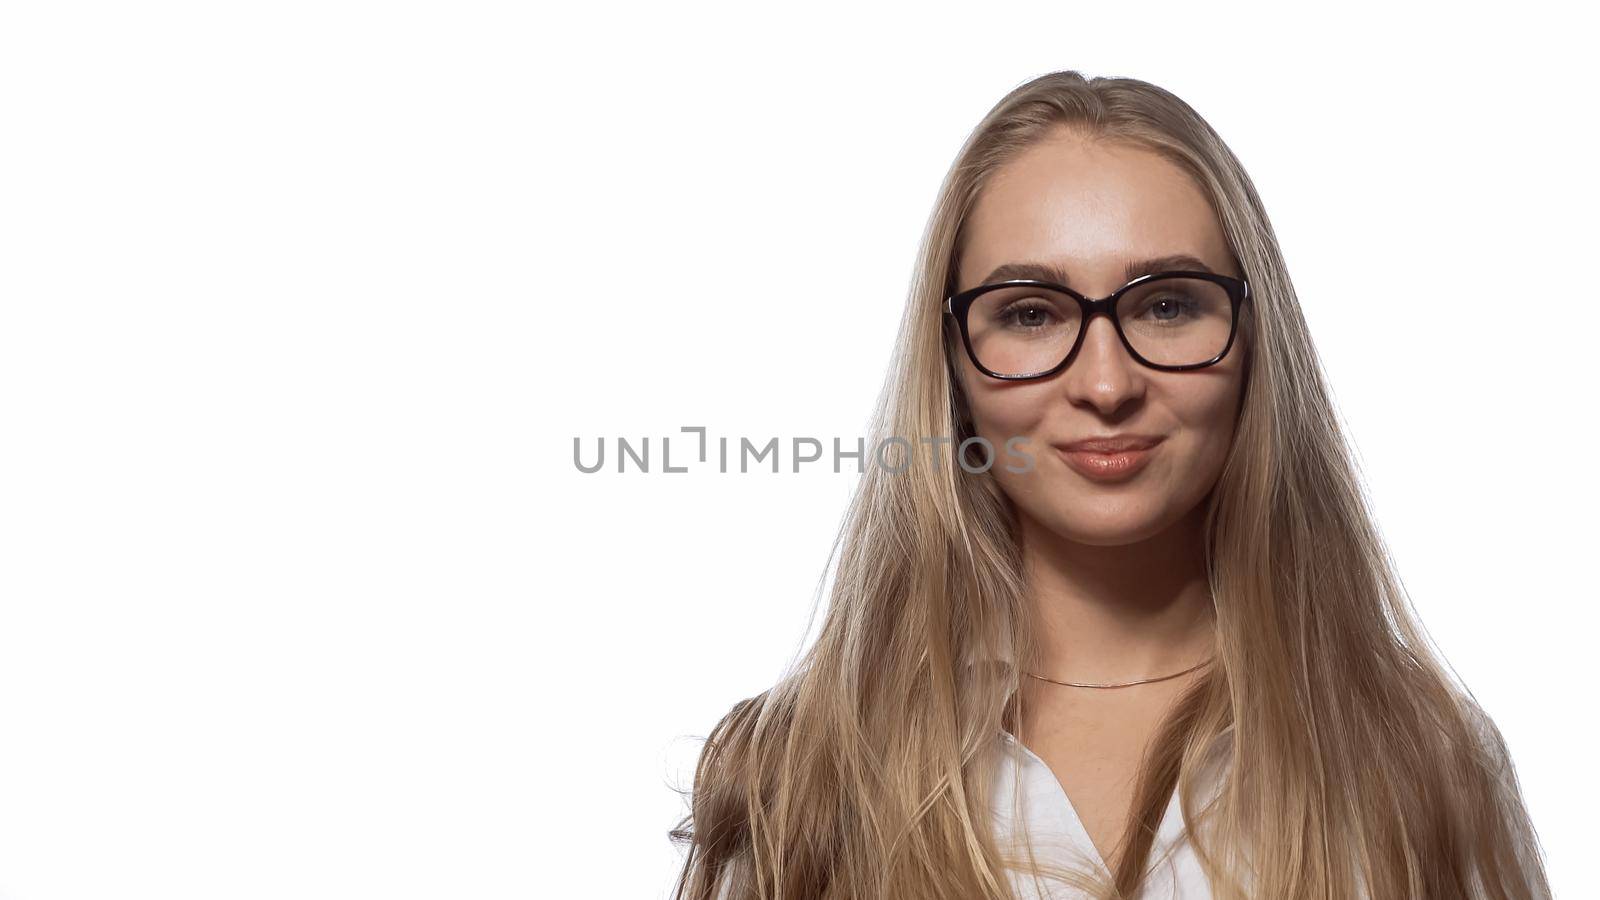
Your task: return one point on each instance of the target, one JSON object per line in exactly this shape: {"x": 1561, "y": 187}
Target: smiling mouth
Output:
{"x": 1116, "y": 465}
{"x": 1112, "y": 443}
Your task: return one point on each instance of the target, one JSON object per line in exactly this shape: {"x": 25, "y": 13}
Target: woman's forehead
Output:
{"x": 1088, "y": 209}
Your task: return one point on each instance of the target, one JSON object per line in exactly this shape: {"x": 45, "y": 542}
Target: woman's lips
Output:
{"x": 1107, "y": 467}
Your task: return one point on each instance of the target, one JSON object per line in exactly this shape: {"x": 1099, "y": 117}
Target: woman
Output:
{"x": 1144, "y": 640}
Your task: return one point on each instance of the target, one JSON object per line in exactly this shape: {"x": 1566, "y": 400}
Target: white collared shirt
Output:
{"x": 1059, "y": 838}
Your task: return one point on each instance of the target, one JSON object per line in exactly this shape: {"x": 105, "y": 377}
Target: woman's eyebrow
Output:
{"x": 1049, "y": 272}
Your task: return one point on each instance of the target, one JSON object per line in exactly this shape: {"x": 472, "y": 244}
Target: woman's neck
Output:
{"x": 1118, "y": 613}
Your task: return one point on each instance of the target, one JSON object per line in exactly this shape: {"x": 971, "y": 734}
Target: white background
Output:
{"x": 301, "y": 594}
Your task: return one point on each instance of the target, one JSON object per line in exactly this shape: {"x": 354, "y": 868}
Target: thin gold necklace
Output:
{"x": 1124, "y": 684}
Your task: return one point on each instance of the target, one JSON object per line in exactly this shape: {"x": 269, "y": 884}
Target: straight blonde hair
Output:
{"x": 1359, "y": 766}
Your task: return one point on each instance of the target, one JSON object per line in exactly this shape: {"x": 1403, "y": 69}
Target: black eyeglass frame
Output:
{"x": 956, "y": 306}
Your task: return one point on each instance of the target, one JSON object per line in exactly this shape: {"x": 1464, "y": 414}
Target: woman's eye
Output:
{"x": 1168, "y": 309}
{"x": 1028, "y": 316}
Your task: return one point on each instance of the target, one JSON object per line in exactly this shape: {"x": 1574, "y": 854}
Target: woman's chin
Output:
{"x": 1106, "y": 524}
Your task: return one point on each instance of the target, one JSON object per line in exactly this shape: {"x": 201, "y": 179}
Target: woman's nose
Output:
{"x": 1104, "y": 374}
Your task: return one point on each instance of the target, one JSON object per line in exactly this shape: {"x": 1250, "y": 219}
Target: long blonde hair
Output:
{"x": 1359, "y": 765}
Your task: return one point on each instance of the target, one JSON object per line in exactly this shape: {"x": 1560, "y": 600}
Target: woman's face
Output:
{"x": 1092, "y": 210}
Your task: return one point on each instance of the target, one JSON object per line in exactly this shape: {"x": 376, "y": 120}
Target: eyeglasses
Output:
{"x": 1172, "y": 321}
